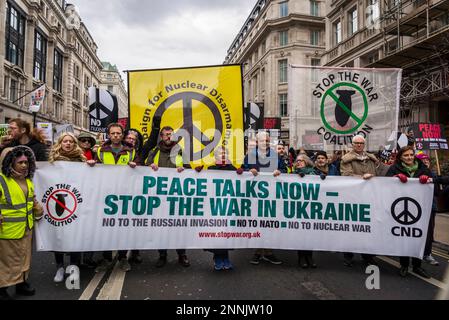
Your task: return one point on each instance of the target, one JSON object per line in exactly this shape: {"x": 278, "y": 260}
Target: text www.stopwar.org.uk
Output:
{"x": 229, "y": 235}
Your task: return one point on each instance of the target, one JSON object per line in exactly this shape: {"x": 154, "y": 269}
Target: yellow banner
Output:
{"x": 204, "y": 105}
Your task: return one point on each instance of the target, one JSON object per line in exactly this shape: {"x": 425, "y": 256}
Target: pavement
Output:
{"x": 442, "y": 231}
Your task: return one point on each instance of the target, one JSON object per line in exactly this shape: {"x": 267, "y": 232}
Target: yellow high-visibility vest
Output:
{"x": 179, "y": 161}
{"x": 108, "y": 157}
{"x": 16, "y": 208}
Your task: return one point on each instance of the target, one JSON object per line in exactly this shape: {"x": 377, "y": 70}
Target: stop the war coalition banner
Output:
{"x": 119, "y": 208}
{"x": 338, "y": 103}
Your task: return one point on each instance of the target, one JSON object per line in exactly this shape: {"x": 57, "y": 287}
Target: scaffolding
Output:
{"x": 416, "y": 39}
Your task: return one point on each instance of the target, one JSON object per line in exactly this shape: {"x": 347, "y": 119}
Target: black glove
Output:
{"x": 323, "y": 176}
{"x": 302, "y": 174}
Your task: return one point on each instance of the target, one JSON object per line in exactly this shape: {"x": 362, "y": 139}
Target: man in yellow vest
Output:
{"x": 167, "y": 154}
{"x": 18, "y": 211}
{"x": 114, "y": 152}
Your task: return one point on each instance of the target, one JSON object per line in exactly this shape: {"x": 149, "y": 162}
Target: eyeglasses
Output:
{"x": 359, "y": 143}
{"x": 300, "y": 160}
{"x": 83, "y": 140}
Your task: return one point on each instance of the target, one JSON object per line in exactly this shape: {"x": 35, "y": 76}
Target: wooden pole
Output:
{"x": 438, "y": 163}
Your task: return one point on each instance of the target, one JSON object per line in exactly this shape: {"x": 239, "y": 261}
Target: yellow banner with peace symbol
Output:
{"x": 204, "y": 106}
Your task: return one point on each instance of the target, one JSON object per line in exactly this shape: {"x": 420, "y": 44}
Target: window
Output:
{"x": 264, "y": 47}
{"x": 337, "y": 32}
{"x": 256, "y": 86}
{"x": 315, "y": 37}
{"x": 353, "y": 21}
{"x": 262, "y": 80}
{"x": 283, "y": 104}
{"x": 76, "y": 71}
{"x": 111, "y": 89}
{"x": 283, "y": 38}
{"x": 15, "y": 35}
{"x": 13, "y": 90}
{"x": 283, "y": 9}
{"x": 315, "y": 63}
{"x": 76, "y": 93}
{"x": 57, "y": 110}
{"x": 314, "y": 8}
{"x": 283, "y": 71}
{"x": 372, "y": 12}
{"x": 40, "y": 56}
{"x": 57, "y": 71}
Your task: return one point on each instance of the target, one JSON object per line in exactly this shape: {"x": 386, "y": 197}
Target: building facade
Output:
{"x": 276, "y": 34}
{"x": 408, "y": 34}
{"x": 112, "y": 81}
{"x": 45, "y": 42}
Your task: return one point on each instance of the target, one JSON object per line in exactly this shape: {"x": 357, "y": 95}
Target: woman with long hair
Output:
{"x": 408, "y": 166}
{"x": 66, "y": 149}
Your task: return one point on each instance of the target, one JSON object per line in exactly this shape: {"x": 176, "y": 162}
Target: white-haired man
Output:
{"x": 359, "y": 163}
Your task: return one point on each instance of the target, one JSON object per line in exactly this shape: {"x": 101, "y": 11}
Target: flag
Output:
{"x": 103, "y": 109}
{"x": 204, "y": 106}
{"x": 37, "y": 98}
{"x": 336, "y": 104}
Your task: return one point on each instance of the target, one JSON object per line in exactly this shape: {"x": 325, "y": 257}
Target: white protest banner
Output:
{"x": 37, "y": 98}
{"x": 119, "y": 208}
{"x": 47, "y": 128}
{"x": 330, "y": 105}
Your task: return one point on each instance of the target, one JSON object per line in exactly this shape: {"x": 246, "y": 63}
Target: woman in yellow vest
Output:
{"x": 19, "y": 210}
{"x": 66, "y": 149}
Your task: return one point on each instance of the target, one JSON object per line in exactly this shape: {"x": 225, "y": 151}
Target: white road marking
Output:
{"x": 432, "y": 281}
{"x": 112, "y": 290}
{"x": 93, "y": 284}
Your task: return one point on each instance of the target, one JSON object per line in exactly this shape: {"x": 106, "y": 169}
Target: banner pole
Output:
{"x": 438, "y": 163}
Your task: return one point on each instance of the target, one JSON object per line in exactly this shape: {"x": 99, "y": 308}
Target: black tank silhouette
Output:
{"x": 341, "y": 115}
{"x": 59, "y": 209}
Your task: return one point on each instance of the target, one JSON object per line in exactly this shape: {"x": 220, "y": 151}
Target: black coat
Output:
{"x": 398, "y": 168}
{"x": 40, "y": 150}
{"x": 228, "y": 167}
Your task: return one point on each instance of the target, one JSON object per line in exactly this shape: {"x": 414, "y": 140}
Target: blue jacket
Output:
{"x": 264, "y": 163}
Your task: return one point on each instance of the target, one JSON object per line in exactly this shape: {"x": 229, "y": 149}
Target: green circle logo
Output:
{"x": 344, "y": 107}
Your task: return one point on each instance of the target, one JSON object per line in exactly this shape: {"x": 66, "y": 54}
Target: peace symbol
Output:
{"x": 406, "y": 211}
{"x": 189, "y": 127}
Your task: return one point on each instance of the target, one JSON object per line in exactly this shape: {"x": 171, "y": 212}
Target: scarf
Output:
{"x": 411, "y": 170}
{"x": 362, "y": 157}
{"x": 73, "y": 156}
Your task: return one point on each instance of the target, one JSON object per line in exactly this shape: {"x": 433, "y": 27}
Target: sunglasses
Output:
{"x": 84, "y": 140}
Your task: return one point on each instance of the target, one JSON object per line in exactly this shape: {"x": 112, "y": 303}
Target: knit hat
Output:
{"x": 422, "y": 156}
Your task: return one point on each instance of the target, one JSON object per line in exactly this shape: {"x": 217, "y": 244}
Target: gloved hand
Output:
{"x": 199, "y": 169}
{"x": 323, "y": 176}
{"x": 302, "y": 174}
{"x": 240, "y": 171}
{"x": 402, "y": 177}
{"x": 424, "y": 179}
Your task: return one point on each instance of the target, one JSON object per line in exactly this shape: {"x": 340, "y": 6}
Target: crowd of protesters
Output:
{"x": 19, "y": 209}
